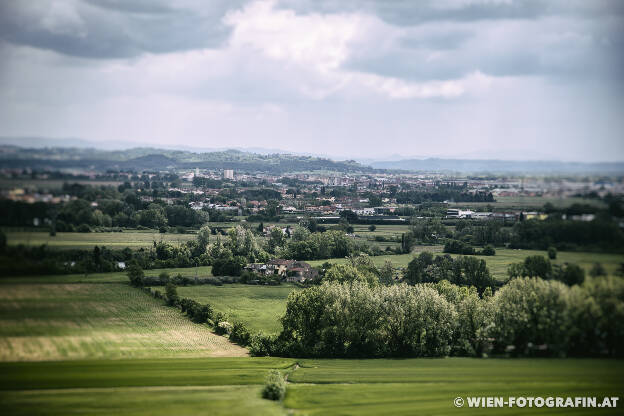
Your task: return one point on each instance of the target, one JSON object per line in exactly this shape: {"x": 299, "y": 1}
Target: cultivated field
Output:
{"x": 112, "y": 277}
{"x": 132, "y": 239}
{"x": 72, "y": 321}
{"x": 258, "y": 307}
{"x": 231, "y": 386}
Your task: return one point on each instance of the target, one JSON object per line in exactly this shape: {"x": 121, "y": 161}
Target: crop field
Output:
{"x": 132, "y": 239}
{"x": 258, "y": 307}
{"x": 112, "y": 277}
{"x": 499, "y": 263}
{"x": 231, "y": 386}
{"x": 73, "y": 321}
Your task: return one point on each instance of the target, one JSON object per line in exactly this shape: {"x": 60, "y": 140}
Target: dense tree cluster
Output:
{"x": 601, "y": 233}
{"x": 304, "y": 245}
{"x": 527, "y": 317}
{"x": 462, "y": 271}
{"x": 539, "y": 266}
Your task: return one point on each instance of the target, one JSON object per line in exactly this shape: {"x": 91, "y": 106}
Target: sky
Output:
{"x": 376, "y": 79}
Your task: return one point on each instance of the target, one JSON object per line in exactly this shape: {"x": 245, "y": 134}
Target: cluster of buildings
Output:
{"x": 290, "y": 270}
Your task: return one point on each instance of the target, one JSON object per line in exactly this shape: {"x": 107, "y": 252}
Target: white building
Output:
{"x": 228, "y": 174}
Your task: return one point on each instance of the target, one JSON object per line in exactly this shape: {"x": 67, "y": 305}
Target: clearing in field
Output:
{"x": 73, "y": 321}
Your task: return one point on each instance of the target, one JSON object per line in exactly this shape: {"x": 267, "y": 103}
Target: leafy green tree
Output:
{"x": 416, "y": 268}
{"x": 135, "y": 274}
{"x": 203, "y": 236}
{"x": 529, "y": 312}
{"x": 386, "y": 273}
{"x": 372, "y": 227}
{"x": 570, "y": 274}
{"x": 537, "y": 266}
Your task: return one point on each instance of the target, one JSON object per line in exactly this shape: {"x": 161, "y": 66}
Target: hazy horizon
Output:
{"x": 376, "y": 80}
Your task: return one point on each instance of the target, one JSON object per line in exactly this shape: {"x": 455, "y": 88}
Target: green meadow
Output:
{"x": 231, "y": 386}
{"x": 258, "y": 307}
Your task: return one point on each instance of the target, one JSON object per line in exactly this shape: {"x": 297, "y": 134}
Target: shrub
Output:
{"x": 223, "y": 328}
{"x": 488, "y": 250}
{"x": 83, "y": 228}
{"x": 171, "y": 293}
{"x": 597, "y": 270}
{"x": 274, "y": 386}
{"x": 261, "y": 345}
{"x": 458, "y": 247}
{"x": 240, "y": 334}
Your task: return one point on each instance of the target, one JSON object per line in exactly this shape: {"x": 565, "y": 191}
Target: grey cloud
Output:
{"x": 409, "y": 12}
{"x": 115, "y": 29}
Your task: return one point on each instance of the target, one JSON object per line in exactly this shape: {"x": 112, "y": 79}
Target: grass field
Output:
{"x": 132, "y": 239}
{"x": 231, "y": 386}
{"x": 73, "y": 321}
{"x": 258, "y": 307}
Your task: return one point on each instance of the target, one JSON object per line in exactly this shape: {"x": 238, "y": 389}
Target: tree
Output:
{"x": 416, "y": 268}
{"x": 135, "y": 274}
{"x": 349, "y": 215}
{"x": 552, "y": 253}
{"x": 475, "y": 273}
{"x": 171, "y": 293}
{"x": 537, "y": 266}
{"x": 349, "y": 273}
{"x": 203, "y": 236}
{"x": 372, "y": 228}
{"x": 386, "y": 273}
{"x": 570, "y": 274}
{"x": 276, "y": 239}
{"x": 530, "y": 312}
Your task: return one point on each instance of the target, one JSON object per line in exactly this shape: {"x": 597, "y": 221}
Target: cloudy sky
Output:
{"x": 508, "y": 79}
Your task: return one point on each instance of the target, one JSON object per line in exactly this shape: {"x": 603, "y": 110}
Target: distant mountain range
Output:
{"x": 37, "y": 154}
{"x": 501, "y": 166}
{"x": 145, "y": 158}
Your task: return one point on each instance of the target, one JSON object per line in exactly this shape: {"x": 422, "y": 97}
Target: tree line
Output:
{"x": 528, "y": 316}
